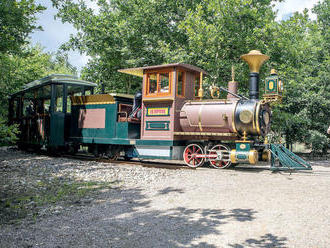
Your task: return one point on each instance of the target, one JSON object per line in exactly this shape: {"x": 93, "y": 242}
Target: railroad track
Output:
{"x": 172, "y": 166}
{"x": 147, "y": 163}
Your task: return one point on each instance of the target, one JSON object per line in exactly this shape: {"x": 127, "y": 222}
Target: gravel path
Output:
{"x": 150, "y": 207}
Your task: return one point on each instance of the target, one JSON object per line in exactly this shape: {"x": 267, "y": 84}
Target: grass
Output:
{"x": 16, "y": 204}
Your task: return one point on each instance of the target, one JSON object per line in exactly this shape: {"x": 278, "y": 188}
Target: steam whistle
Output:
{"x": 255, "y": 59}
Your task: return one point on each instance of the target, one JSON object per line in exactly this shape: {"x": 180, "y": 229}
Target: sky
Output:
{"x": 55, "y": 33}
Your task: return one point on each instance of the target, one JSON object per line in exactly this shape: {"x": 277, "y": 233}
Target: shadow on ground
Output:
{"x": 266, "y": 241}
{"x": 125, "y": 217}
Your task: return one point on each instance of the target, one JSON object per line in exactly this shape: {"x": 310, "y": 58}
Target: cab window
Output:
{"x": 164, "y": 79}
{"x": 152, "y": 82}
{"x": 197, "y": 79}
{"x": 180, "y": 83}
{"x": 158, "y": 83}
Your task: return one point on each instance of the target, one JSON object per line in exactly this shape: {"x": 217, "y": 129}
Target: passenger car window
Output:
{"x": 59, "y": 98}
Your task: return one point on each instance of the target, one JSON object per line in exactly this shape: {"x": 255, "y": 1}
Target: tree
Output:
{"x": 211, "y": 34}
{"x": 301, "y": 52}
{"x": 17, "y": 21}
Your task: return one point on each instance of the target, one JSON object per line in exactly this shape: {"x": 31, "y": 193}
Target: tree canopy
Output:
{"x": 17, "y": 21}
{"x": 213, "y": 34}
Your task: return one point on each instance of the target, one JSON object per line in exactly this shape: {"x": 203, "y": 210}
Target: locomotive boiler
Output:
{"x": 236, "y": 114}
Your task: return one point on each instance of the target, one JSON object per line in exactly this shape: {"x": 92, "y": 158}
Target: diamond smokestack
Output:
{"x": 255, "y": 59}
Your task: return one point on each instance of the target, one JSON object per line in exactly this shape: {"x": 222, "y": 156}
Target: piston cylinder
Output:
{"x": 250, "y": 156}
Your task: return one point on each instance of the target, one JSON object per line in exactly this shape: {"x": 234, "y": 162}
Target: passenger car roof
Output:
{"x": 54, "y": 78}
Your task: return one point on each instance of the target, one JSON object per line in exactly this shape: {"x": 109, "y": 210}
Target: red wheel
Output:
{"x": 193, "y": 155}
{"x": 222, "y": 159}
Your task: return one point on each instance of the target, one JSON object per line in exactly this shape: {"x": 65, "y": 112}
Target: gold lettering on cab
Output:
{"x": 158, "y": 111}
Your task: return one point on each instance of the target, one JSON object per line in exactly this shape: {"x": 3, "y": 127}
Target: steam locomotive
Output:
{"x": 169, "y": 119}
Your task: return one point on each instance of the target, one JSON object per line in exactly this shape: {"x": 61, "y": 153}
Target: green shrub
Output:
{"x": 317, "y": 141}
{"x": 8, "y": 134}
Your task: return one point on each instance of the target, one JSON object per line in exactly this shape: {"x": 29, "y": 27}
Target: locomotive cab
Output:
{"x": 165, "y": 89}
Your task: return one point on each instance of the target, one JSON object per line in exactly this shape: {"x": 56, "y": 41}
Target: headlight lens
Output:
{"x": 246, "y": 116}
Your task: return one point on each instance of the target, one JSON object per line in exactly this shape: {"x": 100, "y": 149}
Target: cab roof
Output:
{"x": 139, "y": 71}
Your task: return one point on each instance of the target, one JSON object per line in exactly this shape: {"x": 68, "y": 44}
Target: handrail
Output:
{"x": 287, "y": 159}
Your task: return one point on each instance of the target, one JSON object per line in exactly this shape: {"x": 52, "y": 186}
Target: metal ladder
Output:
{"x": 286, "y": 159}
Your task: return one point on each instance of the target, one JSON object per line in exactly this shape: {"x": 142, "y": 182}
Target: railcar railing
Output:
{"x": 284, "y": 159}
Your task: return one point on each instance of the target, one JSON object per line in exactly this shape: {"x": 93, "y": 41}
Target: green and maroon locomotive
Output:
{"x": 168, "y": 120}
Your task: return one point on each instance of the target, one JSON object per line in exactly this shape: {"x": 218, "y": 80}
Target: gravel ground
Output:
{"x": 134, "y": 206}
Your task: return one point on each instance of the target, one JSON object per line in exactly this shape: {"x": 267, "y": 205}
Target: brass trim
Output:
{"x": 205, "y": 134}
{"x": 244, "y": 141}
{"x": 266, "y": 155}
{"x": 253, "y": 156}
{"x": 199, "y": 118}
{"x": 233, "y": 119}
{"x": 254, "y": 116}
{"x": 92, "y": 103}
{"x": 92, "y": 99}
{"x": 233, "y": 156}
{"x": 200, "y": 91}
{"x": 255, "y": 59}
{"x": 257, "y": 118}
{"x": 211, "y": 101}
{"x": 214, "y": 89}
{"x": 158, "y": 99}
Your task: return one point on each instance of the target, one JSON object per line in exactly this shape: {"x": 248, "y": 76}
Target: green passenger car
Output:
{"x": 43, "y": 110}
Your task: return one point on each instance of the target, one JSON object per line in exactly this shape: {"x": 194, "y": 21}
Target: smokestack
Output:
{"x": 255, "y": 59}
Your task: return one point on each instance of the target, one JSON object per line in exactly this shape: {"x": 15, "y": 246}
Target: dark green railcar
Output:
{"x": 43, "y": 110}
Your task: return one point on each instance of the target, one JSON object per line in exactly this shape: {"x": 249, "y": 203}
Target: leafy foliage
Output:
{"x": 19, "y": 62}
{"x": 8, "y": 134}
{"x": 17, "y": 21}
{"x": 31, "y": 64}
{"x": 304, "y": 114}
